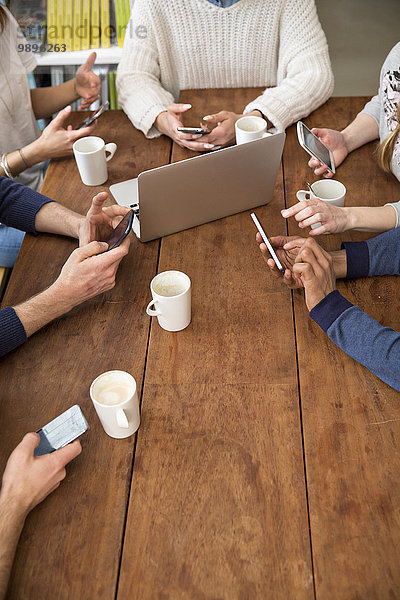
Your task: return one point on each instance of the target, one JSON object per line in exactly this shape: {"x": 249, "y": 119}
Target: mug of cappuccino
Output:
{"x": 329, "y": 190}
{"x": 90, "y": 156}
{"x": 171, "y": 291}
{"x": 250, "y": 128}
{"x": 115, "y": 399}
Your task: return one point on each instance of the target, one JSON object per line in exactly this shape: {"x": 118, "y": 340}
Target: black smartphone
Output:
{"x": 121, "y": 231}
{"x": 61, "y": 431}
{"x": 95, "y": 115}
{"x": 268, "y": 244}
{"x": 194, "y": 130}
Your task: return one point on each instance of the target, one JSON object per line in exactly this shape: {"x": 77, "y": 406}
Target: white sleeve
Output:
{"x": 396, "y": 208}
{"x": 140, "y": 92}
{"x": 305, "y": 78}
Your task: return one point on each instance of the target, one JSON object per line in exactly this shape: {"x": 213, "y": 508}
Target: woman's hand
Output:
{"x": 335, "y": 141}
{"x": 168, "y": 122}
{"x": 56, "y": 141}
{"x": 333, "y": 219}
{"x": 87, "y": 83}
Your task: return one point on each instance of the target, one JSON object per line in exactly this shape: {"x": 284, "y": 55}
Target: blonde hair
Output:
{"x": 3, "y": 18}
{"x": 386, "y": 147}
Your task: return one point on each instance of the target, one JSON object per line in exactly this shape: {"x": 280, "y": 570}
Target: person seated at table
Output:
{"x": 89, "y": 270}
{"x": 380, "y": 118}
{"x": 22, "y": 148}
{"x": 27, "y": 481}
{"x": 171, "y": 46}
{"x": 310, "y": 267}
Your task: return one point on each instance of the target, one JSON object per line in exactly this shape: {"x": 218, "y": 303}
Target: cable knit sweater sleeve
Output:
{"x": 140, "y": 92}
{"x": 305, "y": 78}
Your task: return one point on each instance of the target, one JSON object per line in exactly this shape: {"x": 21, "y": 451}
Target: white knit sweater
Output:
{"x": 171, "y": 45}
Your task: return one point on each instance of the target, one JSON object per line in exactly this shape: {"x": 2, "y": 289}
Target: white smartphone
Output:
{"x": 61, "y": 431}
{"x": 314, "y": 146}
{"x": 267, "y": 243}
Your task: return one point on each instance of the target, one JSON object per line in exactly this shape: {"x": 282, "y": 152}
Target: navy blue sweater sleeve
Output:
{"x": 19, "y": 205}
{"x": 12, "y": 332}
{"x": 378, "y": 256}
{"x": 360, "y": 336}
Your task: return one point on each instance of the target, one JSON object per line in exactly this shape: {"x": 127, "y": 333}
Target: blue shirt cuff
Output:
{"x": 12, "y": 332}
{"x": 327, "y": 311}
{"x": 357, "y": 259}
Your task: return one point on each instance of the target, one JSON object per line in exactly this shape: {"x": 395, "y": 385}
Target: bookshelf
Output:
{"x": 105, "y": 56}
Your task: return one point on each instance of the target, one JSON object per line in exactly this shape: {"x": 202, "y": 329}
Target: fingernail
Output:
{"x": 284, "y": 213}
{"x": 209, "y": 146}
{"x": 197, "y": 136}
{"x": 207, "y": 118}
{"x": 217, "y": 147}
{"x": 187, "y": 106}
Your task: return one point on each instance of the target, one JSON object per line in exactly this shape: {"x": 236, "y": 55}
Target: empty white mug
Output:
{"x": 329, "y": 190}
{"x": 250, "y": 128}
{"x": 172, "y": 300}
{"x": 90, "y": 156}
{"x": 115, "y": 399}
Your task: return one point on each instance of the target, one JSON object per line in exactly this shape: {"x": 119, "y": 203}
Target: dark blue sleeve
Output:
{"x": 360, "y": 336}
{"x": 19, "y": 205}
{"x": 12, "y": 332}
{"x": 378, "y": 256}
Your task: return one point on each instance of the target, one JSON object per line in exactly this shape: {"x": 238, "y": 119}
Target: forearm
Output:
{"x": 362, "y": 130}
{"x": 361, "y": 337}
{"x": 25, "y": 157}
{"x": 49, "y": 100}
{"x": 339, "y": 263}
{"x": 40, "y": 310}
{"x": 12, "y": 520}
{"x": 55, "y": 218}
{"x": 368, "y": 218}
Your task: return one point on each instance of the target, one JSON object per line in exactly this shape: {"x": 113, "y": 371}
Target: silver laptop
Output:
{"x": 202, "y": 189}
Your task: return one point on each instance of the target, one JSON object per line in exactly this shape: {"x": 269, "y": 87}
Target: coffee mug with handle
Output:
{"x": 91, "y": 158}
{"x": 329, "y": 190}
{"x": 250, "y": 128}
{"x": 115, "y": 399}
{"x": 171, "y": 291}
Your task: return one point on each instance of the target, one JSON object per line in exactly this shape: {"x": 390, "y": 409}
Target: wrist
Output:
{"x": 160, "y": 122}
{"x": 75, "y": 89}
{"x": 35, "y": 152}
{"x": 348, "y": 139}
{"x": 13, "y": 504}
{"x": 339, "y": 263}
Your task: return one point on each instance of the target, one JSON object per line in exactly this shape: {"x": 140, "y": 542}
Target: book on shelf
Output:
{"x": 105, "y": 23}
{"x": 95, "y": 24}
{"x": 68, "y": 25}
{"x": 76, "y": 40}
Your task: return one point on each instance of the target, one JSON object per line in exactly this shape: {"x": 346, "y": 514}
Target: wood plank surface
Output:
{"x": 351, "y": 419}
{"x": 70, "y": 546}
{"x": 218, "y": 501}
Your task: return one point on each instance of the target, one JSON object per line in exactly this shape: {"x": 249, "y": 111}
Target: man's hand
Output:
{"x": 314, "y": 267}
{"x": 89, "y": 271}
{"x": 100, "y": 222}
{"x": 29, "y": 479}
{"x": 56, "y": 141}
{"x": 335, "y": 141}
{"x": 87, "y": 83}
{"x": 287, "y": 250}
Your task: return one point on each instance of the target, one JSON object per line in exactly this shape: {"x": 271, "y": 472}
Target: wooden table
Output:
{"x": 266, "y": 464}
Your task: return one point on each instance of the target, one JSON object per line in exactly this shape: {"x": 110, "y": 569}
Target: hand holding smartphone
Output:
{"x": 61, "y": 431}
{"x": 266, "y": 241}
{"x": 121, "y": 231}
{"x": 95, "y": 116}
{"x": 313, "y": 145}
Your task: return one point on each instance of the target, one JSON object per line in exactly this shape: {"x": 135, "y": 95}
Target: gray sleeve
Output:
{"x": 396, "y": 208}
{"x": 373, "y": 108}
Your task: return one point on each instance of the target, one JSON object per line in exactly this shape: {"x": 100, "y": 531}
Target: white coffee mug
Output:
{"x": 115, "y": 399}
{"x": 90, "y": 156}
{"x": 329, "y": 190}
{"x": 250, "y": 128}
{"x": 172, "y": 299}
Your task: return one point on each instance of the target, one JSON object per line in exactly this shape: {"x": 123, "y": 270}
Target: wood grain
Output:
{"x": 351, "y": 419}
{"x": 70, "y": 546}
{"x": 218, "y": 503}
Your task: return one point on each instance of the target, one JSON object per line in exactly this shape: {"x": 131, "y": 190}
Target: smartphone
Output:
{"x": 121, "y": 231}
{"x": 63, "y": 430}
{"x": 194, "y": 130}
{"x": 314, "y": 146}
{"x": 95, "y": 116}
{"x": 268, "y": 243}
